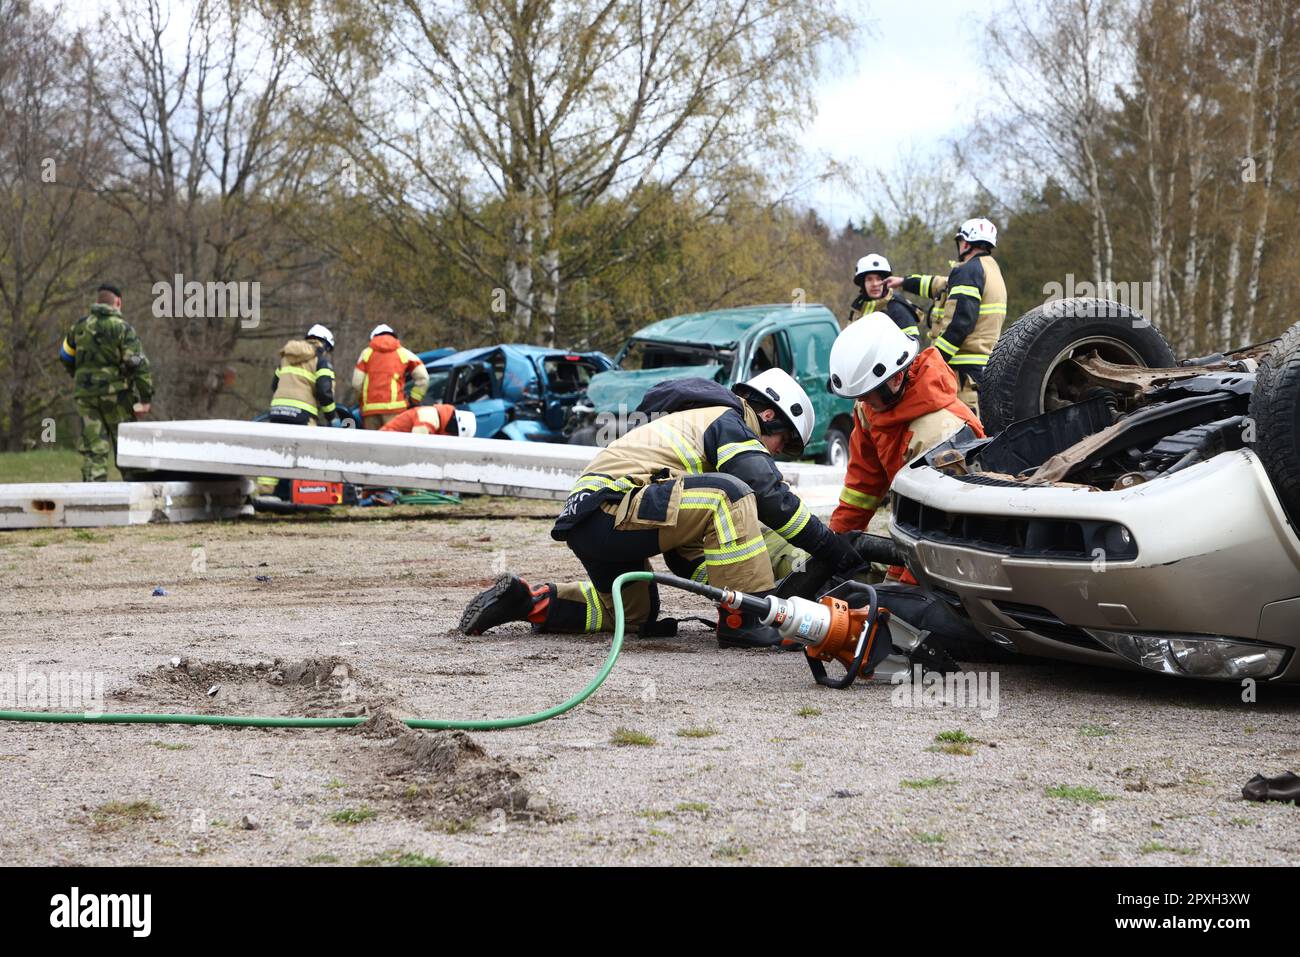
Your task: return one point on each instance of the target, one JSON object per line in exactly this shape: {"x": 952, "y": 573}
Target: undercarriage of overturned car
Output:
{"x": 1127, "y": 510}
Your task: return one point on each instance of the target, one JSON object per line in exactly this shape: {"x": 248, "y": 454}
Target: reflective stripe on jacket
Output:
{"x": 295, "y": 378}
{"x": 423, "y": 419}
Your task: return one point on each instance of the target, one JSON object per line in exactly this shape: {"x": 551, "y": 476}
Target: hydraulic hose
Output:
{"x": 424, "y": 724}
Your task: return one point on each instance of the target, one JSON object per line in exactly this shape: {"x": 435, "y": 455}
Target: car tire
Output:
{"x": 1019, "y": 380}
{"x": 1275, "y": 414}
{"x": 837, "y": 449}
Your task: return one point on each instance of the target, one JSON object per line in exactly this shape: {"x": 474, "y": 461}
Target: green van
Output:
{"x": 728, "y": 346}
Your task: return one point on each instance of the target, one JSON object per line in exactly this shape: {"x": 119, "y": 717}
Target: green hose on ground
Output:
{"x": 428, "y": 724}
{"x": 427, "y": 498}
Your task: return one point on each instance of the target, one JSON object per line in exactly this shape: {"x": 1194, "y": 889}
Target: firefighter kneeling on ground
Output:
{"x": 695, "y": 484}
{"x": 906, "y": 405}
{"x": 437, "y": 419}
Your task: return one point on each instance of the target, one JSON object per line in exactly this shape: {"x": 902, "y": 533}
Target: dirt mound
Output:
{"x": 310, "y": 687}
{"x": 447, "y": 776}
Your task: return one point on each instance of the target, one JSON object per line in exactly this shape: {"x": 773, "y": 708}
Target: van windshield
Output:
{"x": 651, "y": 354}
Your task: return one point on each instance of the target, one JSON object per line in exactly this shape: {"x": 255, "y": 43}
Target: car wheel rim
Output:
{"x": 1109, "y": 349}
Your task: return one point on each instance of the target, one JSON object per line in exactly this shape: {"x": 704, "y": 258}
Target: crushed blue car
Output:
{"x": 518, "y": 392}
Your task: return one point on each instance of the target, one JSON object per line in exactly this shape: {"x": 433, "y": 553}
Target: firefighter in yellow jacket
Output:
{"x": 696, "y": 484}
{"x": 974, "y": 298}
{"x": 302, "y": 389}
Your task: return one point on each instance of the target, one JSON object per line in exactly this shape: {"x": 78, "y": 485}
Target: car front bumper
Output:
{"x": 1215, "y": 557}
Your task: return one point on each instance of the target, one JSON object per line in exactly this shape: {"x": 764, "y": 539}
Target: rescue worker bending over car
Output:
{"x": 695, "y": 484}
{"x": 906, "y": 404}
{"x": 437, "y": 419}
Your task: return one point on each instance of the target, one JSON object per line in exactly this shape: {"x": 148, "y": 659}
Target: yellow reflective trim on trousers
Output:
{"x": 969, "y": 359}
{"x": 729, "y": 451}
{"x": 701, "y": 573}
{"x": 851, "y": 496}
{"x": 690, "y": 461}
{"x": 293, "y": 404}
{"x": 595, "y": 610}
{"x": 971, "y": 291}
{"x": 734, "y": 554}
{"x": 296, "y": 370}
{"x": 716, "y": 502}
{"x": 797, "y": 522}
{"x": 944, "y": 346}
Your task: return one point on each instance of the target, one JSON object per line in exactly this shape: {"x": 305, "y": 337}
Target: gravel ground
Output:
{"x": 743, "y": 760}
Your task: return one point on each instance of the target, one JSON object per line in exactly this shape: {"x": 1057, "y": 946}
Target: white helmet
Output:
{"x": 320, "y": 332}
{"x": 382, "y": 328}
{"x": 777, "y": 388}
{"x": 871, "y": 263}
{"x": 867, "y": 354}
{"x": 978, "y": 231}
{"x": 466, "y": 424}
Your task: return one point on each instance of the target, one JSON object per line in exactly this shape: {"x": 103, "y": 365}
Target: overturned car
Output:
{"x": 1127, "y": 510}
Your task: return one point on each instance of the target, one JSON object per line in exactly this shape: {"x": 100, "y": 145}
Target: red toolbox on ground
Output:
{"x": 306, "y": 492}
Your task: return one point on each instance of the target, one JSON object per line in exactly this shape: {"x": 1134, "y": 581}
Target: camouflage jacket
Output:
{"x": 105, "y": 358}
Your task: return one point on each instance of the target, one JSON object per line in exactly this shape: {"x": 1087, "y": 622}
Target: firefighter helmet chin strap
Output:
{"x": 890, "y": 397}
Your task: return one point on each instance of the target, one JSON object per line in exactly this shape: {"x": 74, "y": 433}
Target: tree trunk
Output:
{"x": 1228, "y": 316}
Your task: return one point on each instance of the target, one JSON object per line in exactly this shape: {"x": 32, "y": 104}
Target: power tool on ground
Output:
{"x": 847, "y": 624}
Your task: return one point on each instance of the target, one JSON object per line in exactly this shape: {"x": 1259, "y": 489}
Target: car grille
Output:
{"x": 1054, "y": 538}
{"x": 1042, "y": 622}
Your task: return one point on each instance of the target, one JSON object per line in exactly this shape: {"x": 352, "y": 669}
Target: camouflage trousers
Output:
{"x": 100, "y": 418}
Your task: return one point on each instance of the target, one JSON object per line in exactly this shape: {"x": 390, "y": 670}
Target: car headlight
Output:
{"x": 1195, "y": 656}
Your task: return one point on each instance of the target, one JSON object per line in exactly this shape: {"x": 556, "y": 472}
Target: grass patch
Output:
{"x": 402, "y": 859}
{"x": 919, "y": 783}
{"x": 452, "y": 825}
{"x": 1240, "y": 821}
{"x": 47, "y": 465}
{"x": 118, "y": 814}
{"x": 953, "y": 747}
{"x": 171, "y": 747}
{"x": 699, "y": 807}
{"x": 1094, "y": 731}
{"x": 705, "y": 732}
{"x": 654, "y": 814}
{"x": 1155, "y": 847}
{"x": 954, "y": 737}
{"x": 86, "y": 535}
{"x": 353, "y": 815}
{"x": 731, "y": 852}
{"x": 808, "y": 712}
{"x": 927, "y": 837}
{"x": 334, "y": 784}
{"x": 625, "y": 737}
{"x": 1072, "y": 793}
{"x": 323, "y": 859}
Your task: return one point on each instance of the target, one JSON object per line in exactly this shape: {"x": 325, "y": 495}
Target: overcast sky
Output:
{"x": 909, "y": 71}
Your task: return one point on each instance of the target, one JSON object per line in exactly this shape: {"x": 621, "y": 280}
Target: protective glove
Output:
{"x": 840, "y": 553}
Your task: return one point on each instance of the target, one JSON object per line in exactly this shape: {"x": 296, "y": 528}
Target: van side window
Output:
{"x": 771, "y": 352}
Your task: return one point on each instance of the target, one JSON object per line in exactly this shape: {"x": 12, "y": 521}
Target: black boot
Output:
{"x": 509, "y": 599}
{"x": 742, "y": 629}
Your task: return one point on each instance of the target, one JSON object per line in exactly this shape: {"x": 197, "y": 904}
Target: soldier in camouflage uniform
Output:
{"x": 111, "y": 378}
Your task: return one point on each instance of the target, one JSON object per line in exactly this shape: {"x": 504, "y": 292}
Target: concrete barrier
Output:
{"x": 485, "y": 466}
{"x": 96, "y": 504}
